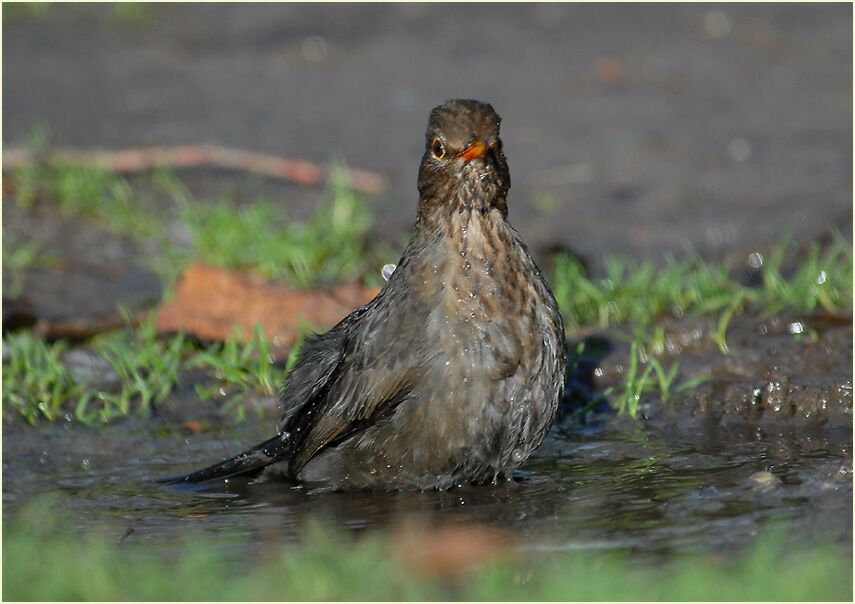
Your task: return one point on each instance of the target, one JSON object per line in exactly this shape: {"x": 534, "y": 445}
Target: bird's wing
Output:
{"x": 378, "y": 368}
{"x": 316, "y": 366}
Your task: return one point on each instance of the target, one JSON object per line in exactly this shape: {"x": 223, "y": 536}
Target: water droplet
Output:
{"x": 387, "y": 271}
{"x": 716, "y": 24}
{"x": 738, "y": 149}
{"x": 755, "y": 259}
{"x": 315, "y": 49}
{"x": 821, "y": 278}
{"x": 85, "y": 463}
{"x": 796, "y": 327}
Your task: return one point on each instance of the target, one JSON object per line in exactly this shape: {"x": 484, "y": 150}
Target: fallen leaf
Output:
{"x": 450, "y": 552}
{"x": 193, "y": 425}
{"x": 209, "y": 302}
{"x": 609, "y": 71}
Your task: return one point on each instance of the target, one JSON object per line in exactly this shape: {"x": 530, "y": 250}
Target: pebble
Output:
{"x": 764, "y": 480}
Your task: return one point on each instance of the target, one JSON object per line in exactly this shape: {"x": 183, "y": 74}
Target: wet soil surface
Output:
{"x": 795, "y": 366}
{"x": 709, "y": 470}
{"x": 650, "y": 488}
{"x": 84, "y": 275}
{"x": 656, "y": 128}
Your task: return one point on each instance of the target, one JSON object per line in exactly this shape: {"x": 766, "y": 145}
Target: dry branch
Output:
{"x": 140, "y": 159}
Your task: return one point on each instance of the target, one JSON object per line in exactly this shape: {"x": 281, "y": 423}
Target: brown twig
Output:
{"x": 140, "y": 159}
{"x": 83, "y": 327}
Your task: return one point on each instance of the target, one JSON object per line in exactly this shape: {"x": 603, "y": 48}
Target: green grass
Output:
{"x": 637, "y": 294}
{"x": 649, "y": 377}
{"x": 35, "y": 382}
{"x": 19, "y": 256}
{"x": 634, "y": 297}
{"x": 147, "y": 367}
{"x": 239, "y": 368}
{"x": 12, "y": 10}
{"x": 42, "y": 560}
{"x": 120, "y": 12}
{"x": 256, "y": 237}
{"x": 89, "y": 192}
{"x": 259, "y": 238}
{"x": 37, "y": 385}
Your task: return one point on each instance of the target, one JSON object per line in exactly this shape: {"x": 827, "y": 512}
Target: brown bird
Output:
{"x": 452, "y": 374}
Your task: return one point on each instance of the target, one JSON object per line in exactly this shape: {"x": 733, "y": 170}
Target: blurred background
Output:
{"x": 629, "y": 129}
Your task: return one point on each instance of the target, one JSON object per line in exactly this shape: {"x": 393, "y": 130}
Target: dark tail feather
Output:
{"x": 254, "y": 459}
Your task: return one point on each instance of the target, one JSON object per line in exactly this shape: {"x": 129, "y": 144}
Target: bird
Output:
{"x": 453, "y": 373}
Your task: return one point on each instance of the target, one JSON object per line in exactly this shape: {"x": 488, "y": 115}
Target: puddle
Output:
{"x": 650, "y": 488}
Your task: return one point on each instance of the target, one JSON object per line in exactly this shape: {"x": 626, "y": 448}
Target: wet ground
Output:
{"x": 648, "y": 488}
{"x": 652, "y": 130}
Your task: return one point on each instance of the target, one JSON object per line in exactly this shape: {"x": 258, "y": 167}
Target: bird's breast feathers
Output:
{"x": 485, "y": 299}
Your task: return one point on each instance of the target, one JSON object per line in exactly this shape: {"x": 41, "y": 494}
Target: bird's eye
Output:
{"x": 437, "y": 149}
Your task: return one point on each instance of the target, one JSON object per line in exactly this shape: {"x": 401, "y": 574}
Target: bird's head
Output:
{"x": 463, "y": 167}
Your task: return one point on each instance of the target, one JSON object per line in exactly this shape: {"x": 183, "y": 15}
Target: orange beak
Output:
{"x": 474, "y": 151}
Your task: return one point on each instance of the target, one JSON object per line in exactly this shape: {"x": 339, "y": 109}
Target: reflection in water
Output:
{"x": 685, "y": 482}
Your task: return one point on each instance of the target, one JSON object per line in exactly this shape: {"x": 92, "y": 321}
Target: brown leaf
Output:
{"x": 209, "y": 303}
{"x": 450, "y": 552}
{"x": 193, "y": 425}
{"x": 609, "y": 71}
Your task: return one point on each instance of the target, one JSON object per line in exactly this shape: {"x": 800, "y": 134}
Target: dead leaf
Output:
{"x": 193, "y": 425}
{"x": 209, "y": 302}
{"x": 450, "y": 552}
{"x": 609, "y": 71}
